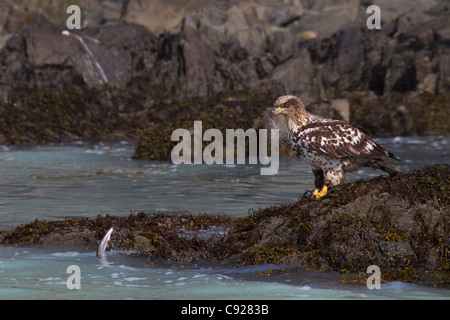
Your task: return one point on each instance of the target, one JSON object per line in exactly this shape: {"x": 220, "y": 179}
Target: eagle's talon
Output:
{"x": 314, "y": 195}
{"x": 307, "y": 194}
{"x": 319, "y": 194}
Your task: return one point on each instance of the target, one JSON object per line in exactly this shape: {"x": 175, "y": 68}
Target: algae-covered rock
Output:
{"x": 178, "y": 238}
{"x": 107, "y": 79}
{"x": 223, "y": 113}
{"x": 400, "y": 115}
{"x": 400, "y": 223}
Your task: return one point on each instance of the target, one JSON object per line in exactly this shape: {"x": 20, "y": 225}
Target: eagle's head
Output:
{"x": 290, "y": 106}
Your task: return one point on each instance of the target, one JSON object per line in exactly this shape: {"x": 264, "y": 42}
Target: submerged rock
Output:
{"x": 400, "y": 223}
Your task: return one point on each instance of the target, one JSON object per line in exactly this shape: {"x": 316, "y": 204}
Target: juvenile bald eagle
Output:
{"x": 331, "y": 147}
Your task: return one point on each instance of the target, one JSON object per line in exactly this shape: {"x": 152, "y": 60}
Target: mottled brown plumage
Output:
{"x": 331, "y": 147}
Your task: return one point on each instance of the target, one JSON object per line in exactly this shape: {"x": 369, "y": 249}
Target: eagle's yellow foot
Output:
{"x": 316, "y": 192}
{"x": 319, "y": 194}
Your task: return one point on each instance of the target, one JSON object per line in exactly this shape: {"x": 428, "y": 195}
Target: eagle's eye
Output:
{"x": 287, "y": 102}
{"x": 291, "y": 103}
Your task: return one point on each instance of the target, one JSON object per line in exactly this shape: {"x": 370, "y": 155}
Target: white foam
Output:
{"x": 305, "y": 288}
{"x": 65, "y": 254}
{"x": 132, "y": 279}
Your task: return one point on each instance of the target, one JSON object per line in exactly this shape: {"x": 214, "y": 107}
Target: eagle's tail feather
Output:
{"x": 387, "y": 167}
{"x": 392, "y": 156}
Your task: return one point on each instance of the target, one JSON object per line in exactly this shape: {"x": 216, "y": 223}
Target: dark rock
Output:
{"x": 330, "y": 19}
{"x": 230, "y": 49}
{"x": 391, "y": 10}
{"x": 399, "y": 223}
{"x": 285, "y": 15}
{"x": 243, "y": 22}
{"x": 160, "y": 236}
{"x": 159, "y": 16}
{"x": 281, "y": 46}
{"x": 296, "y": 75}
{"x": 15, "y": 17}
{"x": 198, "y": 66}
{"x": 401, "y": 115}
{"x": 228, "y": 112}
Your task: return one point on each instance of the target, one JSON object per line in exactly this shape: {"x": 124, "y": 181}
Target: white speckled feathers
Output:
{"x": 337, "y": 139}
{"x": 331, "y": 147}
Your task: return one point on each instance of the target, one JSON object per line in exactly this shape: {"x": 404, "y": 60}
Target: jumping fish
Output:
{"x": 103, "y": 244}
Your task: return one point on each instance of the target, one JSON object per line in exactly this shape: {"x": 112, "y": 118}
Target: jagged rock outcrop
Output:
{"x": 394, "y": 80}
{"x": 400, "y": 224}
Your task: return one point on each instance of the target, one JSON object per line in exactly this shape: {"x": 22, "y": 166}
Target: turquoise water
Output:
{"x": 31, "y": 273}
{"x": 84, "y": 180}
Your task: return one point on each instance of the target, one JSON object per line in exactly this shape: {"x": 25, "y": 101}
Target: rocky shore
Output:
{"x": 134, "y": 71}
{"x": 400, "y": 224}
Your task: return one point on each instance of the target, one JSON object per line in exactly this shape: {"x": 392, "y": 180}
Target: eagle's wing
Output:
{"x": 339, "y": 139}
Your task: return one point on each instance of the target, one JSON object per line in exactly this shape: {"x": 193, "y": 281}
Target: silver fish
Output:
{"x": 104, "y": 243}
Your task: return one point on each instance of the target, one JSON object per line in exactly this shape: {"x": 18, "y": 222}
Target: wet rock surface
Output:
{"x": 400, "y": 224}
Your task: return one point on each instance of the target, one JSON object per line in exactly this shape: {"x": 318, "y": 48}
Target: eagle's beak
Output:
{"x": 275, "y": 111}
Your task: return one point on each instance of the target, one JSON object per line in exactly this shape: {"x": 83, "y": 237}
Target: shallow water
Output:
{"x": 125, "y": 277}
{"x": 84, "y": 180}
